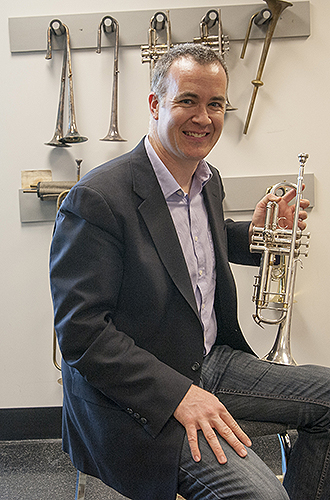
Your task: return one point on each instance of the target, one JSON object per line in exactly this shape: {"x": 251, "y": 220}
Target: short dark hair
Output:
{"x": 202, "y": 54}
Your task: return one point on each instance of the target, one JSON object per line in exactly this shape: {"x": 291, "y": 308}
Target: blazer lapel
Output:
{"x": 157, "y": 217}
{"x": 213, "y": 196}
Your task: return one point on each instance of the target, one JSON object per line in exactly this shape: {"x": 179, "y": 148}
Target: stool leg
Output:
{"x": 286, "y": 446}
{"x": 80, "y": 485}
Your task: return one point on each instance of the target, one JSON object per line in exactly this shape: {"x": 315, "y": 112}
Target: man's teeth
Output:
{"x": 195, "y": 134}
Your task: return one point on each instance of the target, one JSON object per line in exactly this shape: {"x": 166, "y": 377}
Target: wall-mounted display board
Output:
{"x": 29, "y": 33}
{"x": 251, "y": 189}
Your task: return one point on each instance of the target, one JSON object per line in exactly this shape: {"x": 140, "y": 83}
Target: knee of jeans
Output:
{"x": 269, "y": 490}
{"x": 253, "y": 487}
{"x": 321, "y": 422}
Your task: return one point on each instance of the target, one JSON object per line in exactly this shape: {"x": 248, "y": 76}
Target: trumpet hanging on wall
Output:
{"x": 57, "y": 28}
{"x": 153, "y": 51}
{"x": 109, "y": 25}
{"x": 219, "y": 42}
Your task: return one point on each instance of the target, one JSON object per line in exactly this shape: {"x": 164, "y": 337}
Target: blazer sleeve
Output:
{"x": 239, "y": 245}
{"x": 87, "y": 261}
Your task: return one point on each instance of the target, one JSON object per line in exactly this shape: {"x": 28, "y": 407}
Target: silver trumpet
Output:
{"x": 109, "y": 24}
{"x": 56, "y": 27}
{"x": 217, "y": 42}
{"x": 153, "y": 51}
{"x": 281, "y": 249}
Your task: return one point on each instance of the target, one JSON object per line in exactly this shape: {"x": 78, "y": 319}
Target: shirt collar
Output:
{"x": 166, "y": 180}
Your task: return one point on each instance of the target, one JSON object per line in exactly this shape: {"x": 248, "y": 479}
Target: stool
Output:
{"x": 258, "y": 429}
{"x": 252, "y": 429}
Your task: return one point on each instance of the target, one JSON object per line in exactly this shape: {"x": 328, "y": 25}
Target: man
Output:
{"x": 145, "y": 313}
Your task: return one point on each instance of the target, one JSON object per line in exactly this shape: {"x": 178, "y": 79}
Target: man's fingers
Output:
{"x": 214, "y": 443}
{"x": 193, "y": 443}
{"x": 226, "y": 433}
{"x": 238, "y": 432}
{"x": 229, "y": 429}
{"x": 200, "y": 410}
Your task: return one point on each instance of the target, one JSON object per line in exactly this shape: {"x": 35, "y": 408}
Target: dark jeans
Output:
{"x": 252, "y": 389}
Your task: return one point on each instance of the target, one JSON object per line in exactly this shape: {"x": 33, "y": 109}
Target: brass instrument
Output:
{"x": 57, "y": 28}
{"x": 109, "y": 24}
{"x": 281, "y": 249}
{"x": 219, "y": 42}
{"x": 153, "y": 51}
{"x": 276, "y": 7}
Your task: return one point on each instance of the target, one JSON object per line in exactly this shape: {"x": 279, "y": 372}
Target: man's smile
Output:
{"x": 196, "y": 134}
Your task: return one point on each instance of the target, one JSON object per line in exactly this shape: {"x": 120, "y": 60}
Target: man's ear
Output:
{"x": 153, "y": 105}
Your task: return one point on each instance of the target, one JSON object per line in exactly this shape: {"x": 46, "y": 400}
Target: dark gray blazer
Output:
{"x": 127, "y": 322}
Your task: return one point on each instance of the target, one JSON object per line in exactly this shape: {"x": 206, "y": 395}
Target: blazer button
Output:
{"x": 143, "y": 421}
{"x": 195, "y": 366}
{"x": 137, "y": 416}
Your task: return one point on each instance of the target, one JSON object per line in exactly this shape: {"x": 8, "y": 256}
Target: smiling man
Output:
{"x": 187, "y": 121}
{"x": 155, "y": 367}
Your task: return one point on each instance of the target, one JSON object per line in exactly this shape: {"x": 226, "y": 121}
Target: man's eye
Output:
{"x": 186, "y": 101}
{"x": 217, "y": 105}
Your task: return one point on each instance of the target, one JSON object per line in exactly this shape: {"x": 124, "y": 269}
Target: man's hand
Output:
{"x": 286, "y": 211}
{"x": 201, "y": 410}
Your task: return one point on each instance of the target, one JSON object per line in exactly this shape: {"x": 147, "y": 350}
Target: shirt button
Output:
{"x": 200, "y": 272}
{"x": 195, "y": 366}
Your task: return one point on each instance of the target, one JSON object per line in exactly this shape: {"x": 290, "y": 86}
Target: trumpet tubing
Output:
{"x": 281, "y": 249}
{"x": 110, "y": 24}
{"x": 153, "y": 51}
{"x": 217, "y": 42}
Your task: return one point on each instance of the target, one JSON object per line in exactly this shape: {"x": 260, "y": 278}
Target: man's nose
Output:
{"x": 201, "y": 115}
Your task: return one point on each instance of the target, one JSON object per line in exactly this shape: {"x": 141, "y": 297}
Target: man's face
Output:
{"x": 188, "y": 120}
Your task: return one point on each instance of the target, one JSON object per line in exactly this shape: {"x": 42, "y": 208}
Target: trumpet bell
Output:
{"x": 57, "y": 141}
{"x": 280, "y": 353}
{"x": 113, "y": 135}
{"x": 73, "y": 137}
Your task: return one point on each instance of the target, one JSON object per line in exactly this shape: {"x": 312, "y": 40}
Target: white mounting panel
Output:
{"x": 242, "y": 195}
{"x": 29, "y": 33}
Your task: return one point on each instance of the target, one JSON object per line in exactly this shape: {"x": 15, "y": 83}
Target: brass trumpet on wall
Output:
{"x": 281, "y": 249}
{"x": 276, "y": 8}
{"x": 153, "y": 51}
{"x": 218, "y": 42}
{"x": 57, "y": 28}
{"x": 108, "y": 24}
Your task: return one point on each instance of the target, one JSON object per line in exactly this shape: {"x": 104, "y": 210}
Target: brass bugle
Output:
{"x": 276, "y": 7}
{"x": 217, "y": 42}
{"x": 281, "y": 249}
{"x": 153, "y": 51}
{"x": 109, "y": 24}
{"x": 56, "y": 27}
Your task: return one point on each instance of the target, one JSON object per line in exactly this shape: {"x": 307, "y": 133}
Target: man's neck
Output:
{"x": 181, "y": 169}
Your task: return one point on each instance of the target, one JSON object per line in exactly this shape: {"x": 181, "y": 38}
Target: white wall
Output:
{"x": 291, "y": 116}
